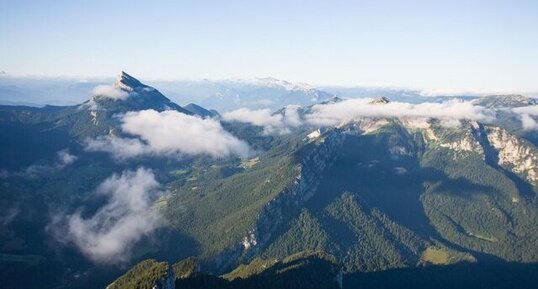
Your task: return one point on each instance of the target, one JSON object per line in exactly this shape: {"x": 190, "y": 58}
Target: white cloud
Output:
{"x": 528, "y": 122}
{"x": 432, "y": 92}
{"x": 271, "y": 123}
{"x": 449, "y": 113}
{"x": 260, "y": 117}
{"x": 530, "y": 110}
{"x": 291, "y": 116}
{"x": 109, "y": 235}
{"x": 64, "y": 159}
{"x": 526, "y": 114}
{"x": 110, "y": 92}
{"x": 400, "y": 170}
{"x": 170, "y": 133}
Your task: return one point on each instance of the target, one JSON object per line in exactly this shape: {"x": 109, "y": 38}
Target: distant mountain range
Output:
{"x": 333, "y": 192}
{"x": 222, "y": 95}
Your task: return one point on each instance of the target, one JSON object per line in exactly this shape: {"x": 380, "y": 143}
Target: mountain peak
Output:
{"x": 332, "y": 100}
{"x": 381, "y": 100}
{"x": 135, "y": 96}
{"x": 507, "y": 100}
{"x": 126, "y": 82}
{"x": 275, "y": 83}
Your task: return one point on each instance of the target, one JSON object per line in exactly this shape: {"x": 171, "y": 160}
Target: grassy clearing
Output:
{"x": 444, "y": 256}
{"x": 250, "y": 163}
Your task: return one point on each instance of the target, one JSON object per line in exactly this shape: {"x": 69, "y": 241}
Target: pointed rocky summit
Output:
{"x": 127, "y": 83}
{"x": 381, "y": 100}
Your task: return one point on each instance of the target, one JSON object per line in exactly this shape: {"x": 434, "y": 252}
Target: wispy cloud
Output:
{"x": 526, "y": 114}
{"x": 120, "y": 148}
{"x": 170, "y": 133}
{"x": 63, "y": 159}
{"x": 7, "y": 216}
{"x": 109, "y": 235}
{"x": 109, "y": 91}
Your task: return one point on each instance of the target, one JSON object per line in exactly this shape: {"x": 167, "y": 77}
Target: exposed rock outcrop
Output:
{"x": 288, "y": 202}
{"x": 514, "y": 154}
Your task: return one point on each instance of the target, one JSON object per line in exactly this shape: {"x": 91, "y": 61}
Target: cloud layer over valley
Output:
{"x": 169, "y": 133}
{"x": 272, "y": 123}
{"x": 449, "y": 113}
{"x": 172, "y": 133}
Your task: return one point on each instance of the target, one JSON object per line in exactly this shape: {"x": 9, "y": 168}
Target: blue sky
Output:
{"x": 458, "y": 45}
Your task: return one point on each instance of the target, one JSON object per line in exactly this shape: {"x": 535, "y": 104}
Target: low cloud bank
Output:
{"x": 526, "y": 114}
{"x": 271, "y": 123}
{"x": 169, "y": 133}
{"x": 450, "y": 113}
{"x": 332, "y": 114}
{"x": 108, "y": 236}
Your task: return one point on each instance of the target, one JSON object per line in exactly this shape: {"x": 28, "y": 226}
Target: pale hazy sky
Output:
{"x": 459, "y": 45}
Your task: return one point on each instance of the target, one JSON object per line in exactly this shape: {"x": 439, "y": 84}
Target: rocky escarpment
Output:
{"x": 303, "y": 188}
{"x": 504, "y": 149}
{"x": 461, "y": 140}
{"x": 468, "y": 142}
{"x": 514, "y": 154}
{"x": 288, "y": 202}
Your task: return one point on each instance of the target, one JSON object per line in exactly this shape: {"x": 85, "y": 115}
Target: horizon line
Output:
{"x": 421, "y": 91}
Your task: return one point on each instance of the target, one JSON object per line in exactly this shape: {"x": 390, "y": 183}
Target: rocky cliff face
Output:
{"x": 288, "y": 202}
{"x": 514, "y": 154}
{"x": 511, "y": 153}
{"x": 303, "y": 188}
{"x": 496, "y": 146}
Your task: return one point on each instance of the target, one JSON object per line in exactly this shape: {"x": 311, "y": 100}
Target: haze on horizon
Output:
{"x": 439, "y": 45}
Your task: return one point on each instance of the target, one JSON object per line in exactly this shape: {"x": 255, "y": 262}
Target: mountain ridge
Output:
{"x": 376, "y": 192}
